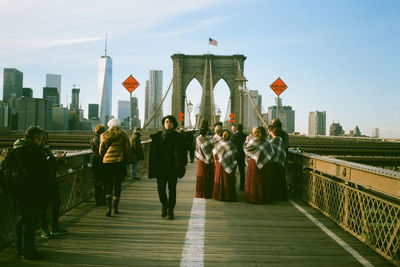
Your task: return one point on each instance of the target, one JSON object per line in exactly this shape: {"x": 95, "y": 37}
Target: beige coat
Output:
{"x": 115, "y": 146}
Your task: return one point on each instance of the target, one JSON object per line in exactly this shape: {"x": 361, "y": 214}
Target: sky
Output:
{"x": 338, "y": 56}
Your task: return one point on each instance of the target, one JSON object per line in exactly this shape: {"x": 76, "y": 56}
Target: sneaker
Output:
{"x": 45, "y": 234}
{"x": 164, "y": 211}
{"x": 59, "y": 232}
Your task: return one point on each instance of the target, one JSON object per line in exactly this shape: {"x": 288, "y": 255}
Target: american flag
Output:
{"x": 212, "y": 42}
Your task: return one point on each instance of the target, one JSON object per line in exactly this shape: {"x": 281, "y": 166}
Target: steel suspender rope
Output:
{"x": 161, "y": 103}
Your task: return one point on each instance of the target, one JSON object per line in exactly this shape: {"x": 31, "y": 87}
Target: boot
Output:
{"x": 170, "y": 213}
{"x": 116, "y": 202}
{"x": 109, "y": 205}
{"x": 164, "y": 210}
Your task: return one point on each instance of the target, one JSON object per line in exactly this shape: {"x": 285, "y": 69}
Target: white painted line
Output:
{"x": 193, "y": 250}
{"x": 349, "y": 249}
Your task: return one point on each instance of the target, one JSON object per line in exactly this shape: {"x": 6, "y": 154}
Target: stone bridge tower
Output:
{"x": 208, "y": 69}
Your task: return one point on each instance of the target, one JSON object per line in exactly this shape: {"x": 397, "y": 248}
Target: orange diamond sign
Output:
{"x": 278, "y": 86}
{"x": 130, "y": 84}
{"x": 181, "y": 116}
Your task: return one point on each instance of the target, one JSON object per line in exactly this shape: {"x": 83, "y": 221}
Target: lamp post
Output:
{"x": 219, "y": 115}
{"x": 190, "y": 109}
{"x": 241, "y": 80}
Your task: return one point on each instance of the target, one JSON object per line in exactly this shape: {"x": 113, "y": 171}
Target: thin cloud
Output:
{"x": 72, "y": 41}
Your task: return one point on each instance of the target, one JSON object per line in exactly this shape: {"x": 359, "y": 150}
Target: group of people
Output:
{"x": 34, "y": 168}
{"x": 220, "y": 154}
{"x": 113, "y": 151}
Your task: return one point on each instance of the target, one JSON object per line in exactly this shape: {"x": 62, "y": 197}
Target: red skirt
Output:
{"x": 279, "y": 181}
{"x": 224, "y": 184}
{"x": 205, "y": 179}
{"x": 258, "y": 184}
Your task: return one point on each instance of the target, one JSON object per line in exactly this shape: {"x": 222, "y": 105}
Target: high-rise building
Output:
{"x": 154, "y": 97}
{"x": 146, "y": 102}
{"x": 27, "y": 92}
{"x": 60, "y": 118}
{"x": 123, "y": 112}
{"x": 135, "y": 113}
{"x": 375, "y": 132}
{"x": 317, "y": 123}
{"x": 105, "y": 86}
{"x": 12, "y": 84}
{"x": 3, "y": 114}
{"x": 250, "y": 117}
{"x": 336, "y": 129}
{"x": 286, "y": 115}
{"x": 93, "y": 111}
{"x": 75, "y": 99}
{"x": 123, "y": 109}
{"x": 54, "y": 80}
{"x": 51, "y": 95}
{"x": 33, "y": 111}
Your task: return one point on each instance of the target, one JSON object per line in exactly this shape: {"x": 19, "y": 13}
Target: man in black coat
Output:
{"x": 239, "y": 138}
{"x": 31, "y": 190}
{"x": 167, "y": 163}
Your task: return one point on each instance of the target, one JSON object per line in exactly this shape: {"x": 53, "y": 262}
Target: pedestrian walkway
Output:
{"x": 216, "y": 234}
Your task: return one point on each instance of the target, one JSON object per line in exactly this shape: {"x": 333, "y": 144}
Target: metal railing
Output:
{"x": 76, "y": 184}
{"x": 363, "y": 200}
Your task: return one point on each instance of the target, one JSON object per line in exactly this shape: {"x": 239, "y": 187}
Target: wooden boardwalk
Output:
{"x": 235, "y": 234}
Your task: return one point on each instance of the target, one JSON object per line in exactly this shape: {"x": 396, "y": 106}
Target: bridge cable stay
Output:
{"x": 162, "y": 101}
{"x": 212, "y": 96}
{"x": 252, "y": 102}
{"x": 203, "y": 97}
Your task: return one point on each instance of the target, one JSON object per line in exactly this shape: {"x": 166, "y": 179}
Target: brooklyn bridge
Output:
{"x": 343, "y": 207}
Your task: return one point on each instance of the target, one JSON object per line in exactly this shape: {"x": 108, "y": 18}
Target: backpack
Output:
{"x": 11, "y": 169}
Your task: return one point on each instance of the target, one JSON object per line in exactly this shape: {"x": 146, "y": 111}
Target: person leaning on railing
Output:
{"x": 31, "y": 191}
{"x": 115, "y": 149}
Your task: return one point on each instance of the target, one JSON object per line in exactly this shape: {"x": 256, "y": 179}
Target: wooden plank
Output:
{"x": 236, "y": 234}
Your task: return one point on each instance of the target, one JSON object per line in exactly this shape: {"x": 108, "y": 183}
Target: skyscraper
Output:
{"x": 54, "y": 80}
{"x": 123, "y": 109}
{"x": 93, "y": 111}
{"x": 375, "y": 132}
{"x": 146, "y": 102}
{"x": 51, "y": 94}
{"x": 12, "y": 84}
{"x": 154, "y": 97}
{"x": 105, "y": 86}
{"x": 286, "y": 116}
{"x": 27, "y": 92}
{"x": 75, "y": 99}
{"x": 317, "y": 123}
{"x": 250, "y": 117}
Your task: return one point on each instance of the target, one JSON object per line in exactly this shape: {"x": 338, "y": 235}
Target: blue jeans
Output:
{"x": 134, "y": 169}
{"x": 26, "y": 228}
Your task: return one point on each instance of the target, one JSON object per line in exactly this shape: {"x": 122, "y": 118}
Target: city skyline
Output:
{"x": 335, "y": 56}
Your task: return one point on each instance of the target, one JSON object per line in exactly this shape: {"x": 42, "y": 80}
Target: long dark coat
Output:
{"x": 167, "y": 155}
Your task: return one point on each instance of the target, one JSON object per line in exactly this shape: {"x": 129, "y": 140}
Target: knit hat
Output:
{"x": 114, "y": 123}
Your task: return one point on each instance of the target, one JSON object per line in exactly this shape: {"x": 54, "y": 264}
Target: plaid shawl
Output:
{"x": 217, "y": 138}
{"x": 261, "y": 153}
{"x": 204, "y": 147}
{"x": 279, "y": 148}
{"x": 226, "y": 153}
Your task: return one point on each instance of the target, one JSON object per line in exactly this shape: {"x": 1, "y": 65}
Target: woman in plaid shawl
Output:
{"x": 225, "y": 164}
{"x": 277, "y": 165}
{"x": 258, "y": 181}
{"x": 205, "y": 163}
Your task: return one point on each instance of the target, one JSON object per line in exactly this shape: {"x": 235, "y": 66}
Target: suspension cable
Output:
{"x": 162, "y": 101}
